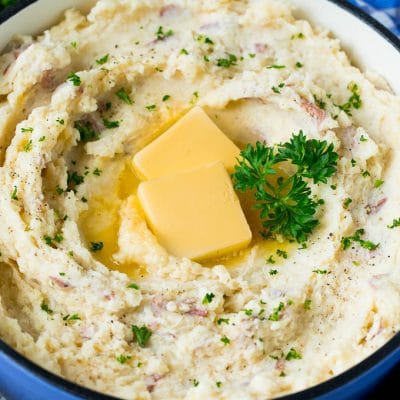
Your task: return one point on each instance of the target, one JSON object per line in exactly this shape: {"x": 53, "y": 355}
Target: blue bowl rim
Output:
{"x": 321, "y": 389}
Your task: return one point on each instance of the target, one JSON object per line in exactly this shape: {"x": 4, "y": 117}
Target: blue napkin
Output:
{"x": 385, "y": 11}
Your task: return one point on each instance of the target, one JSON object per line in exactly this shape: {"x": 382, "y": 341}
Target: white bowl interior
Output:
{"x": 367, "y": 48}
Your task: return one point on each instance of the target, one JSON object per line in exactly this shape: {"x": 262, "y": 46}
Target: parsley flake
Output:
{"x": 208, "y": 298}
{"x": 395, "y": 224}
{"x": 276, "y": 314}
{"x": 102, "y": 60}
{"x": 124, "y": 96}
{"x": 142, "y": 335}
{"x": 366, "y": 244}
{"x": 86, "y": 131}
{"x": 293, "y": 355}
{"x": 74, "y": 78}
{"x": 133, "y": 286}
{"x": 110, "y": 124}
{"x": 96, "y": 246}
{"x": 161, "y": 35}
{"x": 307, "y": 304}
{"x": 273, "y": 271}
{"x": 228, "y": 62}
{"x": 276, "y": 66}
{"x": 225, "y": 340}
{"x": 122, "y": 359}
{"x": 45, "y": 307}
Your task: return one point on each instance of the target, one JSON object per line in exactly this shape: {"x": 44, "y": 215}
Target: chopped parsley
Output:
{"x": 221, "y": 321}
{"x": 60, "y": 121}
{"x": 58, "y": 238}
{"x": 73, "y": 317}
{"x": 110, "y": 124}
{"x": 248, "y": 312}
{"x": 307, "y": 304}
{"x": 299, "y": 64}
{"x": 395, "y": 224}
{"x": 365, "y": 174}
{"x": 161, "y": 35}
{"x": 333, "y": 187}
{"x": 363, "y": 139}
{"x": 74, "y": 45}
{"x": 195, "y": 382}
{"x": 320, "y": 271}
{"x": 86, "y": 131}
{"x": 50, "y": 241}
{"x": 228, "y": 62}
{"x": 347, "y": 202}
{"x": 151, "y": 107}
{"x": 299, "y": 35}
{"x": 124, "y": 96}
{"x": 122, "y": 359}
{"x": 273, "y": 271}
{"x": 354, "y": 101}
{"x": 276, "y": 314}
{"x": 96, "y": 246}
{"x": 270, "y": 260}
{"x": 378, "y": 183}
{"x": 219, "y": 384}
{"x": 276, "y": 66}
{"x": 293, "y": 355}
{"x": 14, "y": 193}
{"x": 28, "y": 146}
{"x": 133, "y": 286}
{"x": 208, "y": 298}
{"x": 142, "y": 335}
{"x": 97, "y": 172}
{"x": 45, "y": 307}
{"x": 42, "y": 138}
{"x": 252, "y": 55}
{"x": 166, "y": 97}
{"x": 319, "y": 102}
{"x": 102, "y": 60}
{"x": 184, "y": 51}
{"x": 225, "y": 340}
{"x": 282, "y": 253}
{"x": 74, "y": 78}
{"x": 353, "y": 162}
{"x": 366, "y": 244}
{"x": 24, "y": 130}
{"x": 277, "y": 90}
{"x": 74, "y": 178}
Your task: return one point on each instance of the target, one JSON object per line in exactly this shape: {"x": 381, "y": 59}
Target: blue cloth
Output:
{"x": 385, "y": 11}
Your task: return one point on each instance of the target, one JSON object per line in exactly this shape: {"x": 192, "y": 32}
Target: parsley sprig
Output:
{"x": 285, "y": 203}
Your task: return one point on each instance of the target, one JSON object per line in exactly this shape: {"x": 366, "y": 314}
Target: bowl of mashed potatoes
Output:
{"x": 198, "y": 200}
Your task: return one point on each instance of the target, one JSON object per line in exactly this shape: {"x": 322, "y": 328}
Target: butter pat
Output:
{"x": 192, "y": 142}
{"x": 195, "y": 214}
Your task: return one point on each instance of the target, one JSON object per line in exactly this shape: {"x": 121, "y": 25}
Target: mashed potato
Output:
{"x": 78, "y": 264}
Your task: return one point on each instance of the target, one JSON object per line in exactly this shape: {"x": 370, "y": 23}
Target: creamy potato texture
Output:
{"x": 79, "y": 265}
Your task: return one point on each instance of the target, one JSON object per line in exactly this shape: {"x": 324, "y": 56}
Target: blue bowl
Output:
{"x": 21, "y": 379}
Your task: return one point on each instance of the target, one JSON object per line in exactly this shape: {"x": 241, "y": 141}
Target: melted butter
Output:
{"x": 101, "y": 222}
